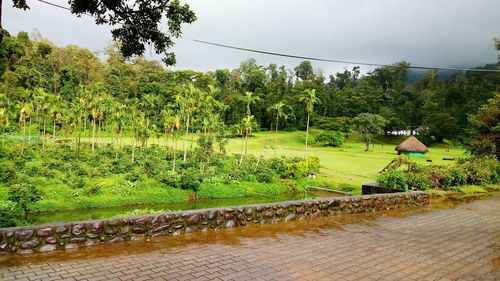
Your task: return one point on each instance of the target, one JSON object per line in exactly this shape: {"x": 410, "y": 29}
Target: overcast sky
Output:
{"x": 451, "y": 33}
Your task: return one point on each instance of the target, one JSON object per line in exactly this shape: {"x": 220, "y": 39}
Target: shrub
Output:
{"x": 313, "y": 163}
{"x": 459, "y": 177}
{"x": 264, "y": 174}
{"x": 331, "y": 138}
{"x": 418, "y": 181}
{"x": 7, "y": 173}
{"x": 440, "y": 177}
{"x": 191, "y": 179}
{"x": 7, "y": 214}
{"x": 38, "y": 169}
{"x": 480, "y": 171}
{"x": 24, "y": 195}
{"x": 346, "y": 187}
{"x": 134, "y": 175}
{"x": 392, "y": 179}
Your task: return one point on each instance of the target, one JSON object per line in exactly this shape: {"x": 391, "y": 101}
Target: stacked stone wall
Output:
{"x": 44, "y": 238}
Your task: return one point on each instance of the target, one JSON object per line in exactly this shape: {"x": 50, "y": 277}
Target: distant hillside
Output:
{"x": 416, "y": 74}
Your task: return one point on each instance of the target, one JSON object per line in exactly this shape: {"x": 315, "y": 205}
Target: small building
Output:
{"x": 412, "y": 147}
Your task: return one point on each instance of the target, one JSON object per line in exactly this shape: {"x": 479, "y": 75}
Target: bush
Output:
{"x": 134, "y": 175}
{"x": 393, "y": 179}
{"x": 264, "y": 174}
{"x": 345, "y": 187}
{"x": 7, "y": 173}
{"x": 459, "y": 177}
{"x": 418, "y": 181}
{"x": 440, "y": 177}
{"x": 191, "y": 179}
{"x": 331, "y": 138}
{"x": 480, "y": 171}
{"x": 24, "y": 195}
{"x": 7, "y": 214}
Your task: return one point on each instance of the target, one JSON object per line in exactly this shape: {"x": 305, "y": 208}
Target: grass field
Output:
{"x": 348, "y": 164}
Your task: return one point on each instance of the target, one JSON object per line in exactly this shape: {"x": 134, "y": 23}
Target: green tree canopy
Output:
{"x": 369, "y": 125}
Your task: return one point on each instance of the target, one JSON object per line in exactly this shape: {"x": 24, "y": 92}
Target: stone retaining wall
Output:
{"x": 44, "y": 238}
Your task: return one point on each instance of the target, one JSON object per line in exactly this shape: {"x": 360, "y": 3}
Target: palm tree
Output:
{"x": 249, "y": 99}
{"x": 24, "y": 113}
{"x": 4, "y": 122}
{"x": 167, "y": 122}
{"x": 55, "y": 108}
{"x": 43, "y": 109}
{"x": 279, "y": 110}
{"x": 187, "y": 105}
{"x": 118, "y": 118}
{"x": 76, "y": 116}
{"x": 310, "y": 99}
{"x": 175, "y": 129}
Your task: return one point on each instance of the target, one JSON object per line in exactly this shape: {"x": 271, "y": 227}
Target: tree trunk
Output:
{"x": 367, "y": 145}
{"x": 24, "y": 135}
{"x": 133, "y": 143}
{"x": 29, "y": 132}
{"x": 175, "y": 152}
{"x": 43, "y": 137}
{"x": 185, "y": 139}
{"x": 276, "y": 136}
{"x": 167, "y": 135}
{"x": 1, "y": 27}
{"x": 246, "y": 141}
{"x": 93, "y": 135}
{"x": 54, "y": 129}
{"x": 118, "y": 142}
{"x": 85, "y": 127}
{"x": 307, "y": 131}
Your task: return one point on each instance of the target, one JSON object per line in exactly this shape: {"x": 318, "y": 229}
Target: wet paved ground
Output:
{"x": 459, "y": 243}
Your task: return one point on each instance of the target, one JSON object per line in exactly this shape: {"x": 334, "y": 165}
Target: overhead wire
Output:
{"x": 298, "y": 56}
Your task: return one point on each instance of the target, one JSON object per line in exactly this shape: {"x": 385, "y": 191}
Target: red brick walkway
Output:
{"x": 461, "y": 243}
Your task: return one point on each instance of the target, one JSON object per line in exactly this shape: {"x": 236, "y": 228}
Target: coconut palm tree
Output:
{"x": 310, "y": 99}
{"x": 279, "y": 112}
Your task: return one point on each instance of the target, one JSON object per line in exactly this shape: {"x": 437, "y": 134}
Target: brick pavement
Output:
{"x": 460, "y": 243}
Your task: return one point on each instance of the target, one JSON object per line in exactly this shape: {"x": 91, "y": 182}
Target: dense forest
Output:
{"x": 60, "y": 88}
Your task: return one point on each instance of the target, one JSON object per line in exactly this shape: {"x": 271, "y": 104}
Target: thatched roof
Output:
{"x": 412, "y": 144}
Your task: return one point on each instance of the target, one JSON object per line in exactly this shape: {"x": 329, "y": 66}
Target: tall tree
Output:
{"x": 140, "y": 22}
{"x": 250, "y": 98}
{"x": 278, "y": 109}
{"x": 310, "y": 99}
{"x": 368, "y": 125}
{"x": 484, "y": 130}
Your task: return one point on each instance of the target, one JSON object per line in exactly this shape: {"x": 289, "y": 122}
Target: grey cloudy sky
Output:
{"x": 452, "y": 33}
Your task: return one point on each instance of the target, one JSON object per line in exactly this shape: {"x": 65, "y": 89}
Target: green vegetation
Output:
{"x": 403, "y": 173}
{"x": 91, "y": 133}
{"x": 332, "y": 138}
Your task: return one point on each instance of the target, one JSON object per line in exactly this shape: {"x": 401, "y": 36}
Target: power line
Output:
{"x": 298, "y": 56}
{"x": 339, "y": 61}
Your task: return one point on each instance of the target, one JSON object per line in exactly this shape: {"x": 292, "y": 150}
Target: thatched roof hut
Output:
{"x": 412, "y": 147}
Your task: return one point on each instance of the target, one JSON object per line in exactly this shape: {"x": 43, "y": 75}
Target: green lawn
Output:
{"x": 348, "y": 164}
